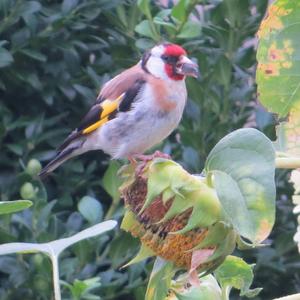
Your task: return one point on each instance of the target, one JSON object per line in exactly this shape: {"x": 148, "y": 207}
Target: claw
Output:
{"x": 132, "y": 160}
{"x": 145, "y": 159}
{"x": 150, "y": 157}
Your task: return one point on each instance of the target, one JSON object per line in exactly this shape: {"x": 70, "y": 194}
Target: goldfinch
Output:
{"x": 135, "y": 110}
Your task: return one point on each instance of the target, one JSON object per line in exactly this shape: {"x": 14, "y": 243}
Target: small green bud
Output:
{"x": 33, "y": 167}
{"x": 40, "y": 283}
{"x": 27, "y": 191}
{"x": 38, "y": 259}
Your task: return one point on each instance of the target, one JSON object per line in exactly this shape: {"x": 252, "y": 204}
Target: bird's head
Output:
{"x": 169, "y": 61}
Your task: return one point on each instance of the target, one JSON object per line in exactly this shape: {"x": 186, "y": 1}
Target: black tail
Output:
{"x": 57, "y": 161}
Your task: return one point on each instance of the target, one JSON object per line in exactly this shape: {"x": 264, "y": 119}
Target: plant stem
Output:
{"x": 287, "y": 162}
{"x": 225, "y": 292}
{"x": 114, "y": 205}
{"x": 57, "y": 295}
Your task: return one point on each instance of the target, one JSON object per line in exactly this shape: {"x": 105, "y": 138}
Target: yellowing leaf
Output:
{"x": 278, "y": 68}
{"x": 288, "y": 133}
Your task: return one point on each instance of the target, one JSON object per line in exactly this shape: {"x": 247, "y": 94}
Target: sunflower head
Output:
{"x": 176, "y": 216}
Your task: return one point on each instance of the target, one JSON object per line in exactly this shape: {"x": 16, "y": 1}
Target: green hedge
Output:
{"x": 54, "y": 57}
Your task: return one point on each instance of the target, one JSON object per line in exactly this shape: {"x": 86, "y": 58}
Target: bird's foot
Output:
{"x": 144, "y": 160}
{"x": 132, "y": 160}
{"x": 156, "y": 154}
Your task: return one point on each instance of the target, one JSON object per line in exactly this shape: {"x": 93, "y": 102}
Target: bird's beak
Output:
{"x": 187, "y": 67}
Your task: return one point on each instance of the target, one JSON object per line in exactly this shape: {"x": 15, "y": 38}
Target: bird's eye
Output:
{"x": 169, "y": 59}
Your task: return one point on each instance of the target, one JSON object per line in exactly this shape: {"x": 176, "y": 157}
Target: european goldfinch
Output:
{"x": 135, "y": 110}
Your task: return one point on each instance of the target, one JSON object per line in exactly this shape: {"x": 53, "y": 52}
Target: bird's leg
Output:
{"x": 139, "y": 168}
{"x": 146, "y": 158}
{"x": 132, "y": 160}
{"x": 156, "y": 154}
{"x": 161, "y": 155}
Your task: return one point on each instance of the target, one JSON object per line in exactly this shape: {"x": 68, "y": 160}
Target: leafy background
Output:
{"x": 54, "y": 56}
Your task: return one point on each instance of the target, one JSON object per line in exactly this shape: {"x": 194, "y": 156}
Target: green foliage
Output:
{"x": 82, "y": 289}
{"x": 242, "y": 167}
{"x": 8, "y": 207}
{"x": 5, "y": 57}
{"x": 54, "y": 56}
{"x": 160, "y": 280}
{"x": 208, "y": 289}
{"x": 111, "y": 181}
{"x": 235, "y": 272}
{"x": 53, "y": 249}
{"x": 90, "y": 209}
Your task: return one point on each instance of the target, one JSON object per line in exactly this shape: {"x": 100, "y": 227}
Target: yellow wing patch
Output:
{"x": 95, "y": 125}
{"x": 107, "y": 107}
